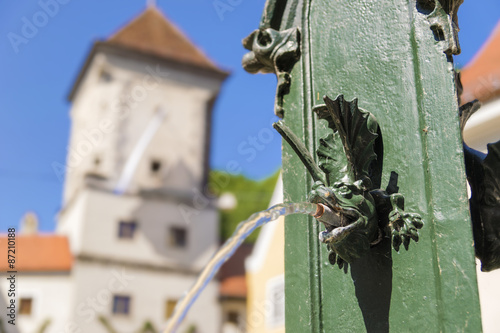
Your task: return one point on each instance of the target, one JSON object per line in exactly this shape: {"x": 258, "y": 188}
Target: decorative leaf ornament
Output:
{"x": 331, "y": 158}
{"x": 356, "y": 128}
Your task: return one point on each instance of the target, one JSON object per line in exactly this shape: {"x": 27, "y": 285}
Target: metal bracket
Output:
{"x": 276, "y": 52}
{"x": 443, "y": 19}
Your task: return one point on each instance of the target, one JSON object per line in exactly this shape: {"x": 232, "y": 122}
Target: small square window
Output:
{"x": 121, "y": 305}
{"x": 178, "y": 237}
{"x": 127, "y": 229}
{"x": 105, "y": 76}
{"x": 170, "y": 307}
{"x": 233, "y": 317}
{"x": 155, "y": 166}
{"x": 25, "y": 306}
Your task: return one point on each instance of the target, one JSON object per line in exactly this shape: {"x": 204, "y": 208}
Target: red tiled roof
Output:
{"x": 232, "y": 274}
{"x": 481, "y": 76}
{"x": 152, "y": 33}
{"x": 234, "y": 287}
{"x": 37, "y": 253}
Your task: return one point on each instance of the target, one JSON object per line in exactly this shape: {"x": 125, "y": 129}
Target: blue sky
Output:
{"x": 35, "y": 82}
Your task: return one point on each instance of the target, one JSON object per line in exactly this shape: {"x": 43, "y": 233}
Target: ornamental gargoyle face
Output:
{"x": 347, "y": 162}
{"x": 354, "y": 227}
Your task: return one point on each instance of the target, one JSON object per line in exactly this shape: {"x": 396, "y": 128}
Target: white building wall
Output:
{"x": 99, "y": 214}
{"x": 484, "y": 126}
{"x": 149, "y": 291}
{"x": 71, "y": 221}
{"x": 52, "y": 294}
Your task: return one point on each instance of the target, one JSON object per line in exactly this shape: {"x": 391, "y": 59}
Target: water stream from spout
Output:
{"x": 243, "y": 230}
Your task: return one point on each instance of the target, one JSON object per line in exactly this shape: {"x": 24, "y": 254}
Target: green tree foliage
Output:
{"x": 148, "y": 328}
{"x": 251, "y": 196}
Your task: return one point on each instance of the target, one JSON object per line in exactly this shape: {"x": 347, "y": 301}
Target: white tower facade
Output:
{"x": 138, "y": 227}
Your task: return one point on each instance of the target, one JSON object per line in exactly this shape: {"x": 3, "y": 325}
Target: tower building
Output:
{"x": 134, "y": 227}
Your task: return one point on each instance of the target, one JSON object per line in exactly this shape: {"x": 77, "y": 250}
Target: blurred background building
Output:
{"x": 135, "y": 228}
{"x": 481, "y": 80}
{"x": 266, "y": 276}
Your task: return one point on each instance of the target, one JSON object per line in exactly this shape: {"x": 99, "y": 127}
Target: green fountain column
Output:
{"x": 395, "y": 57}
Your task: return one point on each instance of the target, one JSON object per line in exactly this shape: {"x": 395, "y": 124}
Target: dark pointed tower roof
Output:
{"x": 152, "y": 33}
{"x": 481, "y": 76}
{"x": 151, "y": 36}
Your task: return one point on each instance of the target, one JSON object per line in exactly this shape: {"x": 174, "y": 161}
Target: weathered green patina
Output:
{"x": 395, "y": 56}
